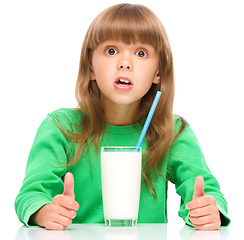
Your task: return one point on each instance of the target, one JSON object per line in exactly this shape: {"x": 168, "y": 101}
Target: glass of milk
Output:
{"x": 121, "y": 185}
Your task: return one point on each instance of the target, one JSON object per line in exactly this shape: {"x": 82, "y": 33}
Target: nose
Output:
{"x": 125, "y": 64}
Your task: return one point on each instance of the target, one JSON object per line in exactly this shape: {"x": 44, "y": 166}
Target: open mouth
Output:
{"x": 123, "y": 82}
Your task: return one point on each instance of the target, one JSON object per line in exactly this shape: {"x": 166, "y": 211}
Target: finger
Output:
{"x": 69, "y": 185}
{"x": 52, "y": 221}
{"x": 63, "y": 201}
{"x": 69, "y": 204}
{"x": 199, "y": 188}
{"x": 202, "y": 220}
{"x": 213, "y": 218}
{"x": 208, "y": 227}
{"x": 55, "y": 217}
{"x": 201, "y": 202}
{"x": 63, "y": 220}
{"x": 54, "y": 226}
{"x": 198, "y": 212}
{"x": 69, "y": 213}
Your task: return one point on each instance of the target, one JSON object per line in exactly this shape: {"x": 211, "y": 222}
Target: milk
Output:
{"x": 121, "y": 182}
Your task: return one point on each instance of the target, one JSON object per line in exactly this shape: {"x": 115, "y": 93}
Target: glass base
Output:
{"x": 120, "y": 222}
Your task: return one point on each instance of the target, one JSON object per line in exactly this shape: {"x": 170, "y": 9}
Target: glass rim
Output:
{"x": 120, "y": 147}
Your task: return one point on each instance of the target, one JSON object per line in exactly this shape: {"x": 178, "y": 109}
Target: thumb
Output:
{"x": 69, "y": 185}
{"x": 199, "y": 188}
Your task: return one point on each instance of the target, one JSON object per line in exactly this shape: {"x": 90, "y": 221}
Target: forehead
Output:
{"x": 126, "y": 26}
{"x": 116, "y": 43}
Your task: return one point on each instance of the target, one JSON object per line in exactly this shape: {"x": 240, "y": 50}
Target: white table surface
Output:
{"x": 140, "y": 232}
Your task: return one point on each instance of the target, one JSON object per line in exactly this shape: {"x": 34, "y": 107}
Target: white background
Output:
{"x": 39, "y": 56}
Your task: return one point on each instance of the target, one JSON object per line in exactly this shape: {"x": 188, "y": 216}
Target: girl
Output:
{"x": 125, "y": 59}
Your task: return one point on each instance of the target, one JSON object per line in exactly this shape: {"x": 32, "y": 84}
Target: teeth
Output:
{"x": 124, "y": 80}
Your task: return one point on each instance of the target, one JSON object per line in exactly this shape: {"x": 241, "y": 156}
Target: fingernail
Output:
{"x": 187, "y": 207}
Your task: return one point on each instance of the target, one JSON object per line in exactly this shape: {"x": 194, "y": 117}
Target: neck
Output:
{"x": 120, "y": 115}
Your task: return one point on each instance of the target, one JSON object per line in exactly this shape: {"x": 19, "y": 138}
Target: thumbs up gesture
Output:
{"x": 204, "y": 213}
{"x": 63, "y": 207}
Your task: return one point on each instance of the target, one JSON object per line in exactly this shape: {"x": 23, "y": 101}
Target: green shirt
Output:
{"x": 44, "y": 176}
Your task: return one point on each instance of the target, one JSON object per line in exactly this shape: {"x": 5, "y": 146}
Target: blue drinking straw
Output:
{"x": 148, "y": 120}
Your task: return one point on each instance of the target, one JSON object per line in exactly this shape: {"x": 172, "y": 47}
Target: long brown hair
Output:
{"x": 128, "y": 23}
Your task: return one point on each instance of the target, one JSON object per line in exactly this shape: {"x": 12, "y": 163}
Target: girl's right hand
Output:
{"x": 59, "y": 214}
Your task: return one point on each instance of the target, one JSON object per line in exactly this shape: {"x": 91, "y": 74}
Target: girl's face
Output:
{"x": 124, "y": 73}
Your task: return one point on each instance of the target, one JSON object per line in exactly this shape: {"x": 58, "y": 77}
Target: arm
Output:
{"x": 59, "y": 214}
{"x": 185, "y": 163}
{"x": 43, "y": 177}
{"x": 203, "y": 210}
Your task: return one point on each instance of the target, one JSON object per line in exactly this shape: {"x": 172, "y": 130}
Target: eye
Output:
{"x": 141, "y": 54}
{"x": 111, "y": 51}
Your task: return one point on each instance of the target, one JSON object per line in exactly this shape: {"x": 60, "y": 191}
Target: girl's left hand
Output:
{"x": 204, "y": 213}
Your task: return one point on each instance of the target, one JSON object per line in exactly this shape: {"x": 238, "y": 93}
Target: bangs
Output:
{"x": 127, "y": 23}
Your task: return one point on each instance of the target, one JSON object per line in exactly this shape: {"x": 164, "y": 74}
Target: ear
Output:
{"x": 157, "y": 77}
{"x": 92, "y": 75}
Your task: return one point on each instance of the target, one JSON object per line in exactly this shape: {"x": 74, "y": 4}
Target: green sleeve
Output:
{"x": 43, "y": 176}
{"x": 185, "y": 163}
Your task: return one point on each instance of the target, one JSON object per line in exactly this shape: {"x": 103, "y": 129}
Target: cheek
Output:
{"x": 148, "y": 72}
{"x": 102, "y": 69}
